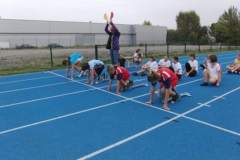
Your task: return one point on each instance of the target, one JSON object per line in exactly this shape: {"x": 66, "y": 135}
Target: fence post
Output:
{"x": 96, "y": 51}
{"x": 185, "y": 48}
{"x": 220, "y": 46}
{"x": 210, "y": 46}
{"x": 51, "y": 56}
{"x": 168, "y": 54}
{"x": 199, "y": 47}
{"x": 146, "y": 50}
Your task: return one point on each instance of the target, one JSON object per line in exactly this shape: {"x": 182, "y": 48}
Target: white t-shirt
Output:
{"x": 163, "y": 63}
{"x": 153, "y": 65}
{"x": 194, "y": 64}
{"x": 213, "y": 70}
{"x": 94, "y": 62}
{"x": 177, "y": 67}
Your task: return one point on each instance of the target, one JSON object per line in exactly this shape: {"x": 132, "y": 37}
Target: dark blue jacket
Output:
{"x": 113, "y": 40}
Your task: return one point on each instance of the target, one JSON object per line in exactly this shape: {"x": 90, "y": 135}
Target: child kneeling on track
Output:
{"x": 212, "y": 73}
{"x": 177, "y": 67}
{"x": 168, "y": 82}
{"x": 73, "y": 63}
{"x": 94, "y": 68}
{"x": 235, "y": 67}
{"x": 123, "y": 78}
{"x": 152, "y": 64}
{"x": 191, "y": 66}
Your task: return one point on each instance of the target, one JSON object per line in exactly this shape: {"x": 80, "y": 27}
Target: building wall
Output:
{"x": 42, "y": 33}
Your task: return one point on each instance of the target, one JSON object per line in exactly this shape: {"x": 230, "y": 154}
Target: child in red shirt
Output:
{"x": 122, "y": 75}
{"x": 168, "y": 81}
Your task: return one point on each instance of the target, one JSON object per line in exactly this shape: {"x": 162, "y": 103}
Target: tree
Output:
{"x": 173, "y": 36}
{"x": 227, "y": 29}
{"x": 147, "y": 23}
{"x": 188, "y": 26}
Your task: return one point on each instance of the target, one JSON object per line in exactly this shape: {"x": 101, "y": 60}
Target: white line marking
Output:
{"x": 206, "y": 105}
{"x": 55, "y": 96}
{"x": 139, "y": 134}
{"x": 65, "y": 116}
{"x": 25, "y": 80}
{"x": 35, "y": 87}
{"x": 223, "y": 98}
{"x": 44, "y": 98}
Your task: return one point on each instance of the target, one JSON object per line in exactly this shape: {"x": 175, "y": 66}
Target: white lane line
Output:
{"x": 205, "y": 105}
{"x": 65, "y": 116}
{"x": 223, "y": 98}
{"x": 159, "y": 125}
{"x": 35, "y": 87}
{"x": 55, "y": 96}
{"x": 25, "y": 80}
{"x": 44, "y": 98}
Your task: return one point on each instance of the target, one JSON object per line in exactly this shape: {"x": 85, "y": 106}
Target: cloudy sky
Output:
{"x": 159, "y": 12}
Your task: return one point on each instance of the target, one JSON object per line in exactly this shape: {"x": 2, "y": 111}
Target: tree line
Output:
{"x": 189, "y": 30}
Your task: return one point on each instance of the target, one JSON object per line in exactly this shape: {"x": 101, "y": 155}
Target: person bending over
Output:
{"x": 168, "y": 82}
{"x": 123, "y": 78}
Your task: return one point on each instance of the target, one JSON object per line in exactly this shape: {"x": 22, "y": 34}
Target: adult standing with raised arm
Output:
{"x": 113, "y": 39}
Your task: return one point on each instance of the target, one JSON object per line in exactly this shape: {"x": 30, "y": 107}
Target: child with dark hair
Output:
{"x": 212, "y": 73}
{"x": 137, "y": 58}
{"x": 177, "y": 67}
{"x": 191, "y": 66}
{"x": 94, "y": 68}
{"x": 151, "y": 64}
{"x": 123, "y": 78}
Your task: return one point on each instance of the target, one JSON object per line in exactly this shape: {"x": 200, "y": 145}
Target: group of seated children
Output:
{"x": 235, "y": 67}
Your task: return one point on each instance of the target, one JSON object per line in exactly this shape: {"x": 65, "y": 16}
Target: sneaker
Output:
{"x": 175, "y": 97}
{"x": 135, "y": 74}
{"x": 204, "y": 84}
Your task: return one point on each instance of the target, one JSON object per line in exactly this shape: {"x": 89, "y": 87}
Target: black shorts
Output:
{"x": 98, "y": 69}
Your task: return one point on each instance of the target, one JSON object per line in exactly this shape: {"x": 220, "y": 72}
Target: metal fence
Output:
{"x": 50, "y": 58}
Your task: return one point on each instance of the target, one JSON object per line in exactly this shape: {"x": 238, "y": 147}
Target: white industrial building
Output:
{"x": 41, "y": 33}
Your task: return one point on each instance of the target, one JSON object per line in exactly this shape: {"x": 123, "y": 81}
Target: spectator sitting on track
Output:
{"x": 235, "y": 67}
{"x": 213, "y": 72}
{"x": 168, "y": 82}
{"x": 73, "y": 63}
{"x": 152, "y": 64}
{"x": 95, "y": 69}
{"x": 137, "y": 58}
{"x": 191, "y": 66}
{"x": 123, "y": 78}
{"x": 164, "y": 62}
{"x": 177, "y": 67}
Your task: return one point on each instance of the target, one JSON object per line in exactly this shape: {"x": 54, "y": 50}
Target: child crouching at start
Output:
{"x": 94, "y": 69}
{"x": 168, "y": 81}
{"x": 123, "y": 78}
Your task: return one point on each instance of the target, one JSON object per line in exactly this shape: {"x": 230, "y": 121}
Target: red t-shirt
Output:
{"x": 169, "y": 78}
{"x": 122, "y": 73}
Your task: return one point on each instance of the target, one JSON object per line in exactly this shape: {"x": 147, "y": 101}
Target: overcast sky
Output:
{"x": 159, "y": 12}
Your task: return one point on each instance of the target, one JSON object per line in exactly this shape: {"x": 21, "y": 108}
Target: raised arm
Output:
{"x": 106, "y": 29}
{"x": 114, "y": 29}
